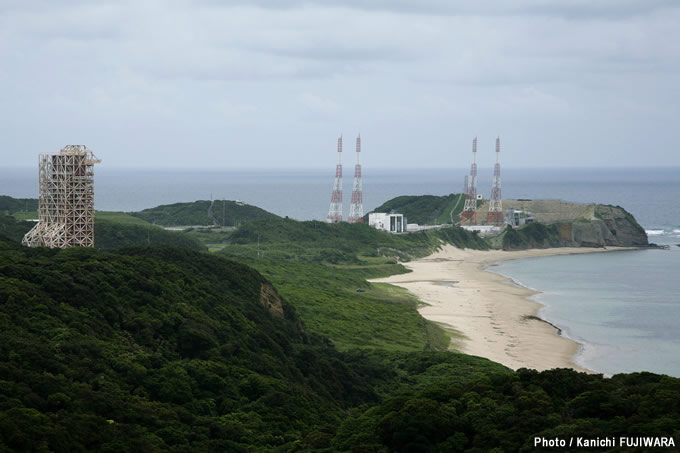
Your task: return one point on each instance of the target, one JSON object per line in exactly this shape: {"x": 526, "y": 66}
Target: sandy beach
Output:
{"x": 496, "y": 318}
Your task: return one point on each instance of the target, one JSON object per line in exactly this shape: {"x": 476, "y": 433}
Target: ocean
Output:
{"x": 624, "y": 307}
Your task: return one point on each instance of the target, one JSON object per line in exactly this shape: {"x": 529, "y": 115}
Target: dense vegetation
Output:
{"x": 14, "y": 229}
{"x": 322, "y": 270}
{"x": 531, "y": 235}
{"x": 163, "y": 348}
{"x": 203, "y": 212}
{"x": 315, "y": 241}
{"x": 505, "y": 412}
{"x": 9, "y": 205}
{"x": 426, "y": 209}
{"x": 167, "y": 349}
{"x": 111, "y": 232}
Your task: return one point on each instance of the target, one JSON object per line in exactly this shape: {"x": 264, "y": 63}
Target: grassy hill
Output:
{"x": 9, "y": 205}
{"x": 149, "y": 349}
{"x": 318, "y": 267}
{"x": 203, "y": 212}
{"x": 426, "y": 209}
{"x": 168, "y": 349}
{"x": 112, "y": 230}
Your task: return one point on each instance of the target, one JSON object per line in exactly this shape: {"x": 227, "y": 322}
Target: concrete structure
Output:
{"x": 335, "y": 209}
{"x": 517, "y": 217}
{"x": 483, "y": 230}
{"x": 356, "y": 209}
{"x": 392, "y": 223}
{"x": 66, "y": 200}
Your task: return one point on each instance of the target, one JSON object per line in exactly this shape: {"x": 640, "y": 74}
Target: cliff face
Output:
{"x": 606, "y": 226}
{"x": 612, "y": 226}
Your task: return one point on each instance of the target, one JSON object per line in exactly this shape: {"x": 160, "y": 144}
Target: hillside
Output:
{"x": 318, "y": 267}
{"x": 558, "y": 223}
{"x": 153, "y": 348}
{"x": 205, "y": 213}
{"x": 9, "y": 205}
{"x": 166, "y": 349}
{"x": 112, "y": 231}
{"x": 426, "y": 209}
{"x": 148, "y": 349}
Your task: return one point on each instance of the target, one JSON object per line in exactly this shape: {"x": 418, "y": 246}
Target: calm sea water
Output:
{"x": 624, "y": 306}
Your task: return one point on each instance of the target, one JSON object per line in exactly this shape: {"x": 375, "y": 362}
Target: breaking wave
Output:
{"x": 655, "y": 232}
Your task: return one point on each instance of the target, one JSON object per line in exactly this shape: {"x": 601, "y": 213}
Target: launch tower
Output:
{"x": 356, "y": 209}
{"x": 66, "y": 200}
{"x": 335, "y": 210}
{"x": 495, "y": 215}
{"x": 469, "y": 214}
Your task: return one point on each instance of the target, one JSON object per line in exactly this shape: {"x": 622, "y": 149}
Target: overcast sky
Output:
{"x": 272, "y": 83}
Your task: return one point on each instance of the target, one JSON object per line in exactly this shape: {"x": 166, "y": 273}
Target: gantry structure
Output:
{"x": 469, "y": 213}
{"x": 335, "y": 209}
{"x": 66, "y": 200}
{"x": 495, "y": 214}
{"x": 356, "y": 209}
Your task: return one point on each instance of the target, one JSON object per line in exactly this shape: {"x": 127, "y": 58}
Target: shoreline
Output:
{"x": 497, "y": 318}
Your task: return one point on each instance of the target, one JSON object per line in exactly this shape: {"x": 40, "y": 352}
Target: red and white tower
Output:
{"x": 469, "y": 214}
{"x": 335, "y": 210}
{"x": 495, "y": 216}
{"x": 356, "y": 209}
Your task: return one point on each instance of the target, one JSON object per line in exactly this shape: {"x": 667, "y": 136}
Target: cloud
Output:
{"x": 572, "y": 9}
{"x": 165, "y": 72}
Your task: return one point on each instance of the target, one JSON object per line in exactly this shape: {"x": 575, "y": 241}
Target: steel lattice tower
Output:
{"x": 66, "y": 201}
{"x": 335, "y": 210}
{"x": 495, "y": 216}
{"x": 356, "y": 209}
{"x": 469, "y": 213}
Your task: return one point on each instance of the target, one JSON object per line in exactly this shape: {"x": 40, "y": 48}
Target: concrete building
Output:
{"x": 392, "y": 223}
{"x": 483, "y": 230}
{"x": 66, "y": 200}
{"x": 517, "y": 217}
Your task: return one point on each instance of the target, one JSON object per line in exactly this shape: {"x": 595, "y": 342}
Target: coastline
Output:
{"x": 496, "y": 318}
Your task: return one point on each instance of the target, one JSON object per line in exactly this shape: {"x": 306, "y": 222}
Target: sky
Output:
{"x": 272, "y": 83}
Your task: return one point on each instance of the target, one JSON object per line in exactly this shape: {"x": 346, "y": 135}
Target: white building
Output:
{"x": 483, "y": 230}
{"x": 392, "y": 223}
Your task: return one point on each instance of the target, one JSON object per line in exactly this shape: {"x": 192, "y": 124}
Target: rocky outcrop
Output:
{"x": 271, "y": 300}
{"x": 612, "y": 226}
{"x": 605, "y": 226}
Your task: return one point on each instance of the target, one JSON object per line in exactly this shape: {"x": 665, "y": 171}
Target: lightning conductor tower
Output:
{"x": 469, "y": 213}
{"x": 66, "y": 200}
{"x": 335, "y": 210}
{"x": 495, "y": 215}
{"x": 356, "y": 209}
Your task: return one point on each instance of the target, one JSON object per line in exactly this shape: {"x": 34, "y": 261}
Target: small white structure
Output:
{"x": 483, "y": 230}
{"x": 392, "y": 223}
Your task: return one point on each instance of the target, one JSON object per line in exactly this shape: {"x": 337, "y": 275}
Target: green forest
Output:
{"x": 274, "y": 341}
{"x": 169, "y": 349}
{"x": 208, "y": 213}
